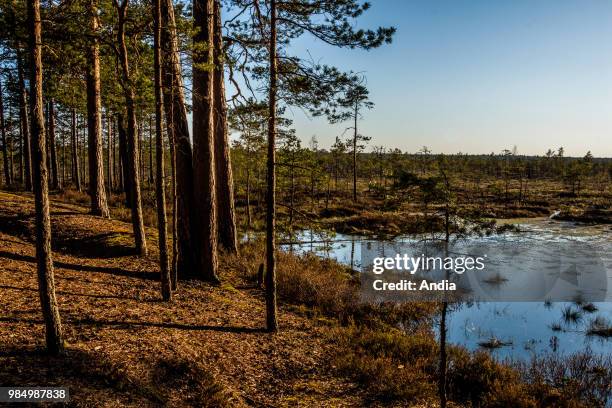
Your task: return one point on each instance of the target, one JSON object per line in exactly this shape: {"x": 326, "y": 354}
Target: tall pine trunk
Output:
{"x": 132, "y": 137}
{"x": 184, "y": 264}
{"x": 46, "y": 285}
{"x": 205, "y": 222}
{"x": 271, "y": 311}
{"x": 76, "y": 174}
{"x": 26, "y": 167}
{"x": 162, "y": 221}
{"x": 97, "y": 191}
{"x": 226, "y": 217}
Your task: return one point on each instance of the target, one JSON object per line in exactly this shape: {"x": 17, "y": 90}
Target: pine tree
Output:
{"x": 205, "y": 222}
{"x": 97, "y": 191}
{"x": 46, "y": 284}
{"x": 183, "y": 263}
{"x": 131, "y": 134}
{"x": 226, "y": 216}
{"x": 162, "y": 221}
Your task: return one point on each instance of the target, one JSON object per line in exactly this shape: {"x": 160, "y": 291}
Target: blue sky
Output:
{"x": 481, "y": 76}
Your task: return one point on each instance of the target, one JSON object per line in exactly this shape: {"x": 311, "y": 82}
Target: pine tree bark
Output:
{"x": 97, "y": 190}
{"x": 132, "y": 137}
{"x": 46, "y": 285}
{"x": 184, "y": 263}
{"x": 76, "y": 174}
{"x": 5, "y": 155}
{"x": 52, "y": 149}
{"x": 162, "y": 221}
{"x": 271, "y": 309}
{"x": 226, "y": 217}
{"x": 205, "y": 225}
{"x": 25, "y": 127}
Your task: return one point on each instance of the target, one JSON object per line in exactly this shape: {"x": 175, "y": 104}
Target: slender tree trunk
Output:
{"x": 248, "y": 197}
{"x": 205, "y": 225}
{"x": 184, "y": 263}
{"x": 5, "y": 156}
{"x": 162, "y": 221}
{"x": 25, "y": 128}
{"x": 63, "y": 156}
{"x": 76, "y": 177}
{"x": 355, "y": 157}
{"x": 291, "y": 193}
{"x": 54, "y": 171}
{"x": 97, "y": 191}
{"x": 174, "y": 219}
{"x": 225, "y": 183}
{"x": 271, "y": 312}
{"x": 46, "y": 285}
{"x": 151, "y": 178}
{"x": 80, "y": 147}
{"x": 47, "y": 143}
{"x": 10, "y": 148}
{"x": 174, "y": 271}
{"x": 126, "y": 178}
{"x": 132, "y": 137}
{"x": 110, "y": 150}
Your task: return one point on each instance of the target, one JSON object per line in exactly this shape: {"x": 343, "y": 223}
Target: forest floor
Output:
{"x": 125, "y": 347}
{"x": 207, "y": 347}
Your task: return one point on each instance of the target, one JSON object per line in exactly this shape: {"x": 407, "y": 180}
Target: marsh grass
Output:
{"x": 571, "y": 315}
{"x": 600, "y": 326}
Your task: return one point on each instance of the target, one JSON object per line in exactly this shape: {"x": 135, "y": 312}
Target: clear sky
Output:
{"x": 480, "y": 76}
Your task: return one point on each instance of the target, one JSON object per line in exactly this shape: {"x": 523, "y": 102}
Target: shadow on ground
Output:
{"x": 89, "y": 374}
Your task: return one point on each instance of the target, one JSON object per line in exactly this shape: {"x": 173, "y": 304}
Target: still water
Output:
{"x": 520, "y": 329}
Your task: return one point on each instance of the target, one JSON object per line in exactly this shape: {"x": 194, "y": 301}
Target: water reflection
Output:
{"x": 506, "y": 329}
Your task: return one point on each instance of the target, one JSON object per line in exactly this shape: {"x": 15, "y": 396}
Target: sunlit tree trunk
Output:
{"x": 271, "y": 311}
{"x": 205, "y": 225}
{"x": 97, "y": 191}
{"x": 225, "y": 183}
{"x": 355, "y": 135}
{"x": 132, "y": 137}
{"x": 184, "y": 265}
{"x": 46, "y": 285}
{"x": 162, "y": 221}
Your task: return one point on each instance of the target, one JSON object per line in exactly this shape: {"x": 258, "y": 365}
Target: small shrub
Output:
{"x": 390, "y": 364}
